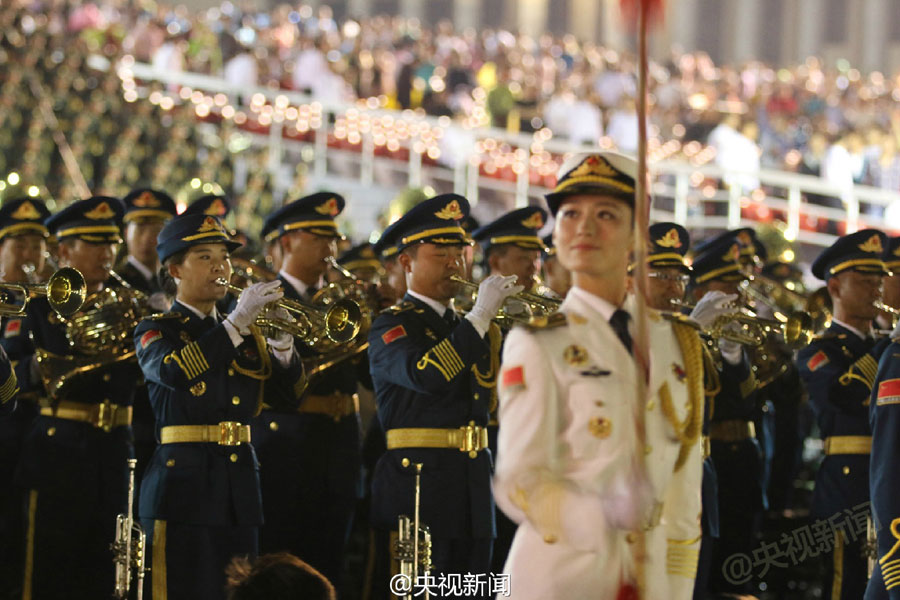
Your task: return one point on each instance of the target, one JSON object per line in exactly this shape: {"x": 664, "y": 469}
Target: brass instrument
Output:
{"x": 65, "y": 291}
{"x": 99, "y": 337}
{"x": 746, "y": 328}
{"x": 894, "y": 312}
{"x": 525, "y": 307}
{"x": 128, "y": 549}
{"x": 412, "y": 548}
{"x": 338, "y": 323}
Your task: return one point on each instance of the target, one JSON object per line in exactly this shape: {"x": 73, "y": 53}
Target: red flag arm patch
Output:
{"x": 393, "y": 334}
{"x": 819, "y": 359}
{"x": 13, "y": 327}
{"x": 150, "y": 337}
{"x": 888, "y": 392}
{"x": 513, "y": 376}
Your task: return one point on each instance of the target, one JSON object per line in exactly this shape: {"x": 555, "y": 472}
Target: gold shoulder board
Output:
{"x": 398, "y": 308}
{"x": 164, "y": 316}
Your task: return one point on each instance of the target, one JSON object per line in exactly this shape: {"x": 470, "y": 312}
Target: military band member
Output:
{"x": 884, "y": 484}
{"x": 146, "y": 211}
{"x": 891, "y": 293}
{"x": 211, "y": 205}
{"x": 731, "y": 389}
{"x": 310, "y": 473}
{"x": 200, "y": 498}
{"x": 557, "y": 280}
{"x": 668, "y": 273}
{"x": 600, "y": 513}
{"x": 362, "y": 262}
{"x": 22, "y": 255}
{"x": 73, "y": 464}
{"x": 434, "y": 374}
{"x": 839, "y": 369}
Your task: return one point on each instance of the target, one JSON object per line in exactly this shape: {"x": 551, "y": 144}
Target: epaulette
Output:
{"x": 829, "y": 336}
{"x": 398, "y": 308}
{"x": 557, "y": 319}
{"x": 166, "y": 315}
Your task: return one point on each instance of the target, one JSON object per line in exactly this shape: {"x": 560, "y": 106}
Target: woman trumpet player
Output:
{"x": 200, "y": 498}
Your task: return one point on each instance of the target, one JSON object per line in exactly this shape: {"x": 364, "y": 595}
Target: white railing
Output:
{"x": 687, "y": 193}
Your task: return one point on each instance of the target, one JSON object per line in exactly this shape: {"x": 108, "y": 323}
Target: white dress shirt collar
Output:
{"x": 439, "y": 308}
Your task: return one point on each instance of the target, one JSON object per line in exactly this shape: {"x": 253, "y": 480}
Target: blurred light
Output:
{"x": 195, "y": 183}
{"x": 207, "y": 188}
{"x": 33, "y": 191}
{"x": 787, "y": 255}
{"x": 13, "y": 178}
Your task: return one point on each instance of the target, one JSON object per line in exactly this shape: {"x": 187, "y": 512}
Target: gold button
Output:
{"x": 600, "y": 427}
{"x": 170, "y": 462}
{"x": 51, "y": 431}
{"x": 475, "y": 396}
{"x": 233, "y": 458}
{"x": 648, "y": 449}
{"x": 231, "y": 371}
{"x": 651, "y": 405}
{"x": 235, "y": 400}
{"x": 273, "y": 426}
{"x": 405, "y": 462}
{"x": 598, "y": 402}
{"x": 471, "y": 422}
{"x": 107, "y": 377}
{"x": 630, "y": 537}
{"x": 846, "y": 470}
{"x": 472, "y": 454}
{"x": 549, "y": 539}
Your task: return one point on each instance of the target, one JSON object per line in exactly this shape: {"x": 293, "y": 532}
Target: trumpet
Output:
{"x": 413, "y": 546}
{"x": 536, "y": 307}
{"x": 65, "y": 291}
{"x": 894, "y": 312}
{"x": 339, "y": 323}
{"x": 128, "y": 549}
{"x": 795, "y": 331}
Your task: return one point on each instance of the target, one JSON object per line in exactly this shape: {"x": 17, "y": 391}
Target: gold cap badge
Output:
{"x": 146, "y": 199}
{"x": 329, "y": 207}
{"x": 101, "y": 211}
{"x": 26, "y": 212}
{"x": 670, "y": 240}
{"x": 873, "y": 244}
{"x": 451, "y": 211}
{"x": 535, "y": 221}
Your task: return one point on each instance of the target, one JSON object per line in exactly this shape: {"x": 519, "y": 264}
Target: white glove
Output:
{"x": 252, "y": 300}
{"x": 712, "y": 306}
{"x": 491, "y": 294}
{"x": 283, "y": 341}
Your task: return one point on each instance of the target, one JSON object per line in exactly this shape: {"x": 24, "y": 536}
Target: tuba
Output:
{"x": 413, "y": 546}
{"x": 128, "y": 549}
{"x": 100, "y": 335}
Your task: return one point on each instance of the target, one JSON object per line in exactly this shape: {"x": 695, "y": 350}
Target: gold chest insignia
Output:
{"x": 575, "y": 355}
{"x": 600, "y": 427}
{"x": 198, "y": 389}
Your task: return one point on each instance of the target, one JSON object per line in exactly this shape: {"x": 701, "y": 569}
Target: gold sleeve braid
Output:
{"x": 444, "y": 358}
{"x": 682, "y": 558}
{"x": 9, "y": 388}
{"x": 190, "y": 359}
{"x": 688, "y": 431}
{"x": 865, "y": 369}
{"x": 890, "y": 566}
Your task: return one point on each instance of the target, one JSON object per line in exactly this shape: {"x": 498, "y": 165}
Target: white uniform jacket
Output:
{"x": 567, "y": 449}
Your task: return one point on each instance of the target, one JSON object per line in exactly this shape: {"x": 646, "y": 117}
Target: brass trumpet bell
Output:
{"x": 65, "y": 291}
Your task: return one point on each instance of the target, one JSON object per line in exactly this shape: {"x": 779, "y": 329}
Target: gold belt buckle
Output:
{"x": 229, "y": 433}
{"x": 106, "y": 413}
{"x": 471, "y": 439}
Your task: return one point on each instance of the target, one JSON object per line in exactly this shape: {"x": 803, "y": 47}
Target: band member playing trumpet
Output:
{"x": 311, "y": 456}
{"x": 73, "y": 464}
{"x": 839, "y": 369}
{"x": 731, "y": 391}
{"x": 23, "y": 245}
{"x": 602, "y": 510}
{"x": 557, "y": 278}
{"x": 200, "y": 498}
{"x": 434, "y": 374}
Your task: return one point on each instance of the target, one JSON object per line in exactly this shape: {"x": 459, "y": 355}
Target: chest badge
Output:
{"x": 185, "y": 337}
{"x": 600, "y": 427}
{"x": 679, "y": 371}
{"x": 575, "y": 355}
{"x": 198, "y": 389}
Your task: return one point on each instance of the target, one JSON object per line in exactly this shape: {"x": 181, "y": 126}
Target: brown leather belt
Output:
{"x": 734, "y": 430}
{"x": 105, "y": 415}
{"x": 848, "y": 444}
{"x": 471, "y": 438}
{"x": 226, "y": 433}
{"x": 337, "y": 405}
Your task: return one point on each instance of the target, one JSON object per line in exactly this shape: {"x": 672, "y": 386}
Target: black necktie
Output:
{"x": 619, "y": 323}
{"x": 450, "y": 317}
{"x": 209, "y": 322}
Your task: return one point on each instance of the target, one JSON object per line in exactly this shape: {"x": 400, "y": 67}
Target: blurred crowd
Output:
{"x": 832, "y": 120}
